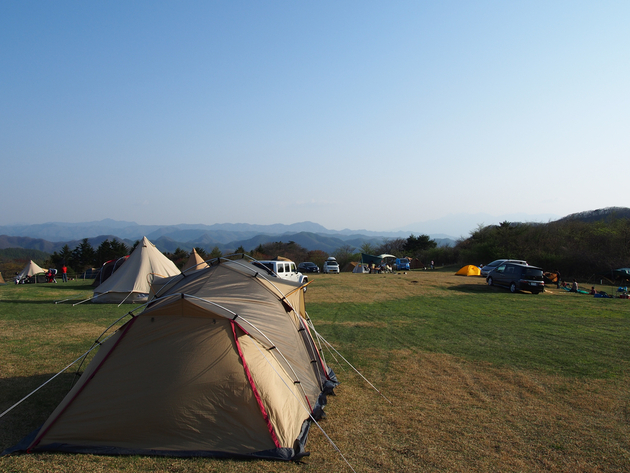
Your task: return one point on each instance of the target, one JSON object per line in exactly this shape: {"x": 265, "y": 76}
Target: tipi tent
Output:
{"x": 132, "y": 282}
{"x": 469, "y": 270}
{"x": 195, "y": 262}
{"x": 220, "y": 363}
{"x": 29, "y": 270}
{"x": 2, "y": 281}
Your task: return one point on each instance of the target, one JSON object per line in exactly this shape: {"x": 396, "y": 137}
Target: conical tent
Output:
{"x": 2, "y": 281}
{"x": 222, "y": 363}
{"x": 194, "y": 262}
{"x": 469, "y": 270}
{"x": 31, "y": 269}
{"x": 132, "y": 282}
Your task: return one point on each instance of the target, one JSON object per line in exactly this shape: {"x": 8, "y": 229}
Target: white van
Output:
{"x": 283, "y": 269}
{"x": 331, "y": 266}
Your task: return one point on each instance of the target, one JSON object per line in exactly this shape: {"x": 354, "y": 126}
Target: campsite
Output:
{"x": 479, "y": 379}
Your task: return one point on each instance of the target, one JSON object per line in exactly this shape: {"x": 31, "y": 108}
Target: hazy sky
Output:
{"x": 354, "y": 115}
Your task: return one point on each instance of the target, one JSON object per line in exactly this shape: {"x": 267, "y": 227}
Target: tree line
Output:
{"x": 575, "y": 247}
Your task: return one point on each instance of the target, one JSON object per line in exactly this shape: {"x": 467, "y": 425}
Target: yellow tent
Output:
{"x": 469, "y": 270}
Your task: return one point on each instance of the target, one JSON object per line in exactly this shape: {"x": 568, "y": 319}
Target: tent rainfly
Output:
{"x": 132, "y": 282}
{"x": 195, "y": 262}
{"x": 221, "y": 363}
{"x": 469, "y": 270}
{"x": 108, "y": 268}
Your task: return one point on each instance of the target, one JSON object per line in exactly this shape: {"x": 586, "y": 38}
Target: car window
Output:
{"x": 280, "y": 267}
{"x": 535, "y": 274}
{"x": 509, "y": 270}
{"x": 293, "y": 270}
{"x": 500, "y": 269}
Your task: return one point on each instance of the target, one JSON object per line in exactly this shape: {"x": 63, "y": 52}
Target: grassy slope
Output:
{"x": 480, "y": 379}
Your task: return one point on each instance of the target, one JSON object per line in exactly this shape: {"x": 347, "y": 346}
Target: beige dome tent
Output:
{"x": 469, "y": 270}
{"x": 195, "y": 262}
{"x": 220, "y": 363}
{"x": 132, "y": 282}
{"x": 31, "y": 269}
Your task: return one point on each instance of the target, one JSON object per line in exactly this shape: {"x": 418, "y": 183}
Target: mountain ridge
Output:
{"x": 50, "y": 237}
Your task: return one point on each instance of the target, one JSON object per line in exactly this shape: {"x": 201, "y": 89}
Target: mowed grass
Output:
{"x": 479, "y": 379}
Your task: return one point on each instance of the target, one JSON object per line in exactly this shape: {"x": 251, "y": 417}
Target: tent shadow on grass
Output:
{"x": 469, "y": 288}
{"x": 22, "y": 301}
{"x": 34, "y": 411}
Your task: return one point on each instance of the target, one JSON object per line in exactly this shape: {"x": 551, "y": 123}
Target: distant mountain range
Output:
{"x": 50, "y": 237}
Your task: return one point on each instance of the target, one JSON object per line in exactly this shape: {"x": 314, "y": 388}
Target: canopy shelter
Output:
{"x": 469, "y": 270}
{"x": 194, "y": 262}
{"x": 370, "y": 259}
{"x": 222, "y": 362}
{"x": 31, "y": 269}
{"x": 132, "y": 282}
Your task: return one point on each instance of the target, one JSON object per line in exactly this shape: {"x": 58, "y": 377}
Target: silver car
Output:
{"x": 495, "y": 264}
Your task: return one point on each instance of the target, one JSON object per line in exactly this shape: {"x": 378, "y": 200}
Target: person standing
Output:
{"x": 64, "y": 273}
{"x": 432, "y": 265}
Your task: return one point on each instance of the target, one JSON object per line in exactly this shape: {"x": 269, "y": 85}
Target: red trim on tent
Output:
{"x": 39, "y": 437}
{"x": 253, "y": 386}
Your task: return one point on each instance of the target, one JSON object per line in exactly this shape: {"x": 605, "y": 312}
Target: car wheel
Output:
{"x": 535, "y": 292}
{"x": 513, "y": 287}
{"x": 490, "y": 282}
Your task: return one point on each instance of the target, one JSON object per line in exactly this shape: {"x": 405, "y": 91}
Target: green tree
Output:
{"x": 415, "y": 245}
{"x": 83, "y": 256}
{"x": 215, "y": 253}
{"x": 368, "y": 248}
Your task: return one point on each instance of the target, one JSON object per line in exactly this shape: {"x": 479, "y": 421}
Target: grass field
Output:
{"x": 480, "y": 379}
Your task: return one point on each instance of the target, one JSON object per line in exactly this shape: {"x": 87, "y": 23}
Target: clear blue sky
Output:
{"x": 349, "y": 114}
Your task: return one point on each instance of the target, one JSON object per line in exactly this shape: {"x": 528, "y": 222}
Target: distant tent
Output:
{"x": 31, "y": 269}
{"x": 221, "y": 363}
{"x": 132, "y": 282}
{"x": 415, "y": 263}
{"x": 469, "y": 270}
{"x": 107, "y": 270}
{"x": 2, "y": 281}
{"x": 360, "y": 268}
{"x": 195, "y": 262}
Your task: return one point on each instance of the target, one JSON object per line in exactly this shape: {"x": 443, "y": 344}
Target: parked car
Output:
{"x": 308, "y": 267}
{"x": 282, "y": 269}
{"x": 491, "y": 266}
{"x": 331, "y": 266}
{"x": 517, "y": 277}
{"x": 401, "y": 264}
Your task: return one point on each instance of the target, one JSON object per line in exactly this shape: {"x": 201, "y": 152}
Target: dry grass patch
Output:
{"x": 458, "y": 416}
{"x": 369, "y": 288}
